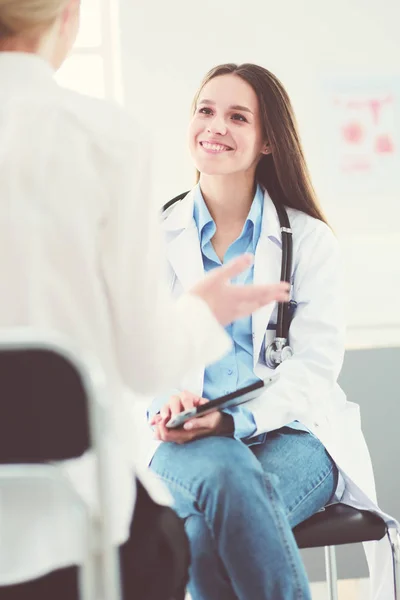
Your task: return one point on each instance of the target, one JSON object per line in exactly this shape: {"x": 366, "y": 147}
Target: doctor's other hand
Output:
{"x": 229, "y": 301}
{"x": 215, "y": 423}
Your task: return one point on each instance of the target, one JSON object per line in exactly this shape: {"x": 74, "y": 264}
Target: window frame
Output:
{"x": 109, "y": 50}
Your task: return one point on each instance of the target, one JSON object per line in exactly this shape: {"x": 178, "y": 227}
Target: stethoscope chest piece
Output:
{"x": 277, "y": 352}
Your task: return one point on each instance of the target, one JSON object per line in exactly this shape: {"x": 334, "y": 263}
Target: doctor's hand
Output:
{"x": 230, "y": 302}
{"x": 215, "y": 423}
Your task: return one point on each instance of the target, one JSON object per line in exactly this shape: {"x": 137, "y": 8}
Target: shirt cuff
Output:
{"x": 243, "y": 422}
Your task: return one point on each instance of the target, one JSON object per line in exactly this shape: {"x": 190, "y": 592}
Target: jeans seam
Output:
{"x": 320, "y": 482}
{"x": 193, "y": 497}
{"x": 179, "y": 485}
{"x": 270, "y": 493}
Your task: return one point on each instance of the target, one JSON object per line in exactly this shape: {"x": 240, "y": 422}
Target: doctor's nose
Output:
{"x": 217, "y": 126}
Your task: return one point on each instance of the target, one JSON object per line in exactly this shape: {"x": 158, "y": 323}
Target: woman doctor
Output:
{"x": 79, "y": 256}
{"x": 243, "y": 478}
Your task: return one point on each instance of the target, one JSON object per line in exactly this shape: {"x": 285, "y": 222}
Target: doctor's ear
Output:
{"x": 266, "y": 148}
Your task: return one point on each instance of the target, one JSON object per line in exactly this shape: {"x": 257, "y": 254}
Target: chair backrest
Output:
{"x": 54, "y": 407}
{"x": 43, "y": 410}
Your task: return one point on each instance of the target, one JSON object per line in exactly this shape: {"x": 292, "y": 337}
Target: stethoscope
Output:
{"x": 278, "y": 350}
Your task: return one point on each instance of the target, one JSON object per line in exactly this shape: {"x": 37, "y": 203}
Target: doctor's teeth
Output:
{"x": 215, "y": 147}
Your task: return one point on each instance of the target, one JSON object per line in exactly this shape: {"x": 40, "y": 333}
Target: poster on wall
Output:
{"x": 361, "y": 133}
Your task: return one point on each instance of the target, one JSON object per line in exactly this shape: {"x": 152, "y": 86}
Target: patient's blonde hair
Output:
{"x": 20, "y": 18}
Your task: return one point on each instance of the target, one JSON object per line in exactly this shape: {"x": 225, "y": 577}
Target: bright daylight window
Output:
{"x": 93, "y": 66}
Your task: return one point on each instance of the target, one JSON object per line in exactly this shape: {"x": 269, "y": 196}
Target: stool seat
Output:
{"x": 339, "y": 524}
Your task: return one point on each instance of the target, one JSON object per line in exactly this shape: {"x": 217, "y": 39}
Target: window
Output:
{"x": 93, "y": 67}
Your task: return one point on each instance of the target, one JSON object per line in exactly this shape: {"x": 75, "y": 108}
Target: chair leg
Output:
{"x": 331, "y": 572}
{"x": 394, "y": 539}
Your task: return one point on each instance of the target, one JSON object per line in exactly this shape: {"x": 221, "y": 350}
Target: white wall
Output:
{"x": 168, "y": 46}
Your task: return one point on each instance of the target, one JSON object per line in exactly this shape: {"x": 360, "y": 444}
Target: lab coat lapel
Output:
{"x": 267, "y": 269}
{"x": 183, "y": 248}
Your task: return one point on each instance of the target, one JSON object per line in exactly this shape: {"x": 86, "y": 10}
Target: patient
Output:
{"x": 79, "y": 255}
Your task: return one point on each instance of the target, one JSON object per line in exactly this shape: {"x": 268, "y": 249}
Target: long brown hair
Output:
{"x": 284, "y": 172}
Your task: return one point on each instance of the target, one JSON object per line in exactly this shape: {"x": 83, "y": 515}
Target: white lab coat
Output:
{"x": 80, "y": 256}
{"x": 307, "y": 389}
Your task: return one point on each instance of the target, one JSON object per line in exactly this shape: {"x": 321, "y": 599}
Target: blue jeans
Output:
{"x": 240, "y": 504}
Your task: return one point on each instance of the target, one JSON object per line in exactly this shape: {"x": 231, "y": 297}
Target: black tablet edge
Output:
{"x": 240, "y": 392}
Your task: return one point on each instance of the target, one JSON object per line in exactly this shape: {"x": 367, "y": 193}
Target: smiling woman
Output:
{"x": 242, "y": 478}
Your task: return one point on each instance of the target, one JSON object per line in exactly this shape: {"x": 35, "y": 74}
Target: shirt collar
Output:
{"x": 205, "y": 223}
{"x": 201, "y": 213}
{"x": 255, "y": 215}
{"x": 24, "y": 70}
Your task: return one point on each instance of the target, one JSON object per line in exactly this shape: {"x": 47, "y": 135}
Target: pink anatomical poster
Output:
{"x": 362, "y": 133}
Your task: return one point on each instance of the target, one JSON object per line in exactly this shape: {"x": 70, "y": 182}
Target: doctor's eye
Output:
{"x": 239, "y": 117}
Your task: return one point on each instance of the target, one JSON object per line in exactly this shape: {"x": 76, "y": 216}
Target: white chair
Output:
{"x": 53, "y": 408}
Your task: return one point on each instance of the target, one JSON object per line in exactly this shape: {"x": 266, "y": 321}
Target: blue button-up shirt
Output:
{"x": 235, "y": 370}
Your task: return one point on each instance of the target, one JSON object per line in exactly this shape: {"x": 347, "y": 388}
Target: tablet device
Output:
{"x": 233, "y": 399}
